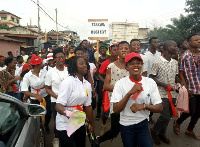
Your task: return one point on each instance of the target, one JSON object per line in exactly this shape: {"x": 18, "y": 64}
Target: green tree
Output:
{"x": 161, "y": 33}
{"x": 180, "y": 28}
{"x": 193, "y": 9}
{"x": 4, "y": 26}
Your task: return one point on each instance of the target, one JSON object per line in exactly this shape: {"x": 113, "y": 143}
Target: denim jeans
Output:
{"x": 136, "y": 135}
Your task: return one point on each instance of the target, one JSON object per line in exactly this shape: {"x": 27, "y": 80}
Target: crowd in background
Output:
{"x": 121, "y": 83}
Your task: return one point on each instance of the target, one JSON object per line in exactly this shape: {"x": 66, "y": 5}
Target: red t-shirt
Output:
{"x": 103, "y": 67}
{"x": 25, "y": 67}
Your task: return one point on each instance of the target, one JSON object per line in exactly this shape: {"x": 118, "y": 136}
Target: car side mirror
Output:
{"x": 36, "y": 110}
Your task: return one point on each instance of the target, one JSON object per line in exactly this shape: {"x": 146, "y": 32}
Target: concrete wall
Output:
{"x": 6, "y": 46}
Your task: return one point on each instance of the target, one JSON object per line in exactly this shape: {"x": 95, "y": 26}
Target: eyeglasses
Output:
{"x": 60, "y": 57}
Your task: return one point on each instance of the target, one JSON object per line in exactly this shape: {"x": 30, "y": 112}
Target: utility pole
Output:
{"x": 38, "y": 40}
{"x": 38, "y": 16}
{"x": 57, "y": 25}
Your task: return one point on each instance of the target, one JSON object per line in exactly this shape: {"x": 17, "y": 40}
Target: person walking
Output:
{"x": 35, "y": 79}
{"x": 74, "y": 93}
{"x": 152, "y": 55}
{"x": 53, "y": 79}
{"x": 115, "y": 71}
{"x": 165, "y": 72}
{"x": 189, "y": 68}
{"x": 133, "y": 97}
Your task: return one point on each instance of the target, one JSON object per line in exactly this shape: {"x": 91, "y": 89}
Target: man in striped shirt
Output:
{"x": 189, "y": 69}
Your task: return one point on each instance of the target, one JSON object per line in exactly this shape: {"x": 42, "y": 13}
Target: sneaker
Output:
{"x": 102, "y": 131}
{"x": 47, "y": 129}
{"x": 55, "y": 142}
{"x": 155, "y": 137}
{"x": 164, "y": 139}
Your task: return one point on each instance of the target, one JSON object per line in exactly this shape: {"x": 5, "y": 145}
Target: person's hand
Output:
{"x": 183, "y": 83}
{"x": 39, "y": 98}
{"x": 136, "y": 88}
{"x": 17, "y": 78}
{"x": 92, "y": 130}
{"x": 93, "y": 94}
{"x": 136, "y": 107}
{"x": 25, "y": 98}
{"x": 165, "y": 85}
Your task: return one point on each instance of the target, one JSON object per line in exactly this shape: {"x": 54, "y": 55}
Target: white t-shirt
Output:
{"x": 92, "y": 69}
{"x": 36, "y": 83}
{"x": 18, "y": 69}
{"x": 72, "y": 92}
{"x": 151, "y": 59}
{"x": 53, "y": 78}
{"x": 145, "y": 62}
{"x": 47, "y": 68}
{"x": 150, "y": 95}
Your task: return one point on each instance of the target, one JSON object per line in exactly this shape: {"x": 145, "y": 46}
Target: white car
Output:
{"x": 20, "y": 123}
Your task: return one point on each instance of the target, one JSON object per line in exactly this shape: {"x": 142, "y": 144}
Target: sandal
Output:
{"x": 192, "y": 134}
{"x": 176, "y": 128}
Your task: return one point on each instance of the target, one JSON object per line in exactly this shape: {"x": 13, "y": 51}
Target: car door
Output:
{"x": 17, "y": 128}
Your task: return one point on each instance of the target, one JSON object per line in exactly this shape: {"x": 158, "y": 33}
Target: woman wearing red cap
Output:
{"x": 35, "y": 79}
{"x": 133, "y": 97}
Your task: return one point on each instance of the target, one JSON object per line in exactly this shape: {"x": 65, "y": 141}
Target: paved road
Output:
{"x": 176, "y": 141}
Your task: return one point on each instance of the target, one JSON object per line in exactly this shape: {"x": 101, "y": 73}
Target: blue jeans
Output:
{"x": 136, "y": 135}
{"x": 15, "y": 95}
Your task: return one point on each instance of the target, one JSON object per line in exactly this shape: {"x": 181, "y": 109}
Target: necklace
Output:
{"x": 60, "y": 76}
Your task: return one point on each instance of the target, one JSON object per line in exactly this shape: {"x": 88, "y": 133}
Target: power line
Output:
{"x": 49, "y": 15}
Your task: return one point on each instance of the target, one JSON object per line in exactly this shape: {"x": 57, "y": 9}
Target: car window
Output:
{"x": 9, "y": 117}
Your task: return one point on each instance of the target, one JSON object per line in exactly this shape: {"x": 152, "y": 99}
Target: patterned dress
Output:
{"x": 5, "y": 77}
{"x": 116, "y": 74}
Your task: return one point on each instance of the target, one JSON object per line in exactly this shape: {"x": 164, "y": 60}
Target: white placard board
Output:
{"x": 98, "y": 29}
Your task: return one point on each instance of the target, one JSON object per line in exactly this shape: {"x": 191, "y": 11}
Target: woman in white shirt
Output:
{"x": 133, "y": 97}
{"x": 74, "y": 92}
{"x": 35, "y": 80}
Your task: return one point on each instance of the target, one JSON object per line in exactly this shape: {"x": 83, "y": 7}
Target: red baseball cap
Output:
{"x": 132, "y": 55}
{"x": 35, "y": 60}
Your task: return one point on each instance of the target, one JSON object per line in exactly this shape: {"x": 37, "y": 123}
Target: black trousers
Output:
{"x": 100, "y": 96}
{"x": 115, "y": 128}
{"x": 77, "y": 139}
{"x": 194, "y": 107}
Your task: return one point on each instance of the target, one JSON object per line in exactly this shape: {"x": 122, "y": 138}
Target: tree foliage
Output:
{"x": 193, "y": 8}
{"x": 4, "y": 26}
{"x": 181, "y": 27}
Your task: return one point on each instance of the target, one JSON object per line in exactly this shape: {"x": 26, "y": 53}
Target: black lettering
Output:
{"x": 98, "y": 31}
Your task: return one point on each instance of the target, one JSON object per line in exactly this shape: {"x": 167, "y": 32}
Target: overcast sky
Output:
{"x": 75, "y": 13}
